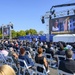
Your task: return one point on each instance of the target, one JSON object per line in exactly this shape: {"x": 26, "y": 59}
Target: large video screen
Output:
{"x": 63, "y": 24}
{"x": 6, "y": 31}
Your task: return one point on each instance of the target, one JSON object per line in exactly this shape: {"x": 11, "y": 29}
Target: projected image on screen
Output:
{"x": 55, "y": 26}
{"x": 6, "y": 31}
{"x": 63, "y": 24}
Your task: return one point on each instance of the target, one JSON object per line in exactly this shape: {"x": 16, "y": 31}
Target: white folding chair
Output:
{"x": 2, "y": 58}
{"x": 60, "y": 72}
{"x": 29, "y": 55}
{"x": 33, "y": 53}
{"x": 24, "y": 68}
{"x": 7, "y": 60}
{"x": 44, "y": 70}
{"x": 10, "y": 61}
{"x": 49, "y": 58}
{"x": 59, "y": 57}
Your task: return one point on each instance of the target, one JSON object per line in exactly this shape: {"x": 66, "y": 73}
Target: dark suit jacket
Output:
{"x": 67, "y": 65}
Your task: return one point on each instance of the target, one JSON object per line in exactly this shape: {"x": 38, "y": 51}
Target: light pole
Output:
{"x": 2, "y": 31}
{"x": 47, "y": 17}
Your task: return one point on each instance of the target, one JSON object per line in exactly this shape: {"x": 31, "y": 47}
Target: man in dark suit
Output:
{"x": 67, "y": 65}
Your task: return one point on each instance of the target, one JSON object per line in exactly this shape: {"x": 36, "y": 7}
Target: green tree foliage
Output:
{"x": 14, "y": 34}
{"x": 32, "y": 31}
{"x": 21, "y": 33}
{"x": 27, "y": 32}
{"x": 41, "y": 32}
{"x": 0, "y": 36}
{"x": 0, "y": 33}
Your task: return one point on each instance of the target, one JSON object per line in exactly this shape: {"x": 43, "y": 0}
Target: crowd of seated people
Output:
{"x": 17, "y": 50}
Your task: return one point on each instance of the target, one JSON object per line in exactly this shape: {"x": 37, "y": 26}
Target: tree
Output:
{"x": 41, "y": 32}
{"x": 21, "y": 33}
{"x": 0, "y": 36}
{"x": 32, "y": 31}
{"x": 14, "y": 34}
{"x": 27, "y": 32}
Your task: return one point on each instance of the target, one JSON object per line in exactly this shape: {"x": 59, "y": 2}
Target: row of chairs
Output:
{"x": 50, "y": 59}
{"x": 32, "y": 71}
{"x": 22, "y": 70}
{"x": 44, "y": 71}
{"x": 7, "y": 60}
{"x": 27, "y": 69}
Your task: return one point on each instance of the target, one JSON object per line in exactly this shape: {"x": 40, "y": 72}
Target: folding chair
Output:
{"x": 10, "y": 61}
{"x": 24, "y": 68}
{"x": 7, "y": 60}
{"x": 33, "y": 53}
{"x": 44, "y": 70}
{"x": 49, "y": 58}
{"x": 60, "y": 72}
{"x": 2, "y": 59}
{"x": 60, "y": 57}
{"x": 27, "y": 52}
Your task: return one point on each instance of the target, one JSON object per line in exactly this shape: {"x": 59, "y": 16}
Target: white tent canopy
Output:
{"x": 64, "y": 38}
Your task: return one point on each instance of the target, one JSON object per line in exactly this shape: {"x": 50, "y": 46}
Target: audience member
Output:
{"x": 3, "y": 51}
{"x": 40, "y": 59}
{"x": 50, "y": 49}
{"x": 25, "y": 57}
{"x": 68, "y": 65}
{"x": 61, "y": 50}
{"x": 6, "y": 70}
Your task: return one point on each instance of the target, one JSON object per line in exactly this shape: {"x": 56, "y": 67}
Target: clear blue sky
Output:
{"x": 26, "y": 14}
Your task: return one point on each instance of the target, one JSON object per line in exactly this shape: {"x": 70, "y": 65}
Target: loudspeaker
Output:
{"x": 11, "y": 26}
{"x": 43, "y": 21}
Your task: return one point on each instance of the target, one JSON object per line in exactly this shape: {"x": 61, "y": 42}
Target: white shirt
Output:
{"x": 4, "y": 52}
{"x": 55, "y": 29}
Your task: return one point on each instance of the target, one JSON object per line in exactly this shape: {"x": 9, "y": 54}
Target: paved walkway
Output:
{"x": 53, "y": 71}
